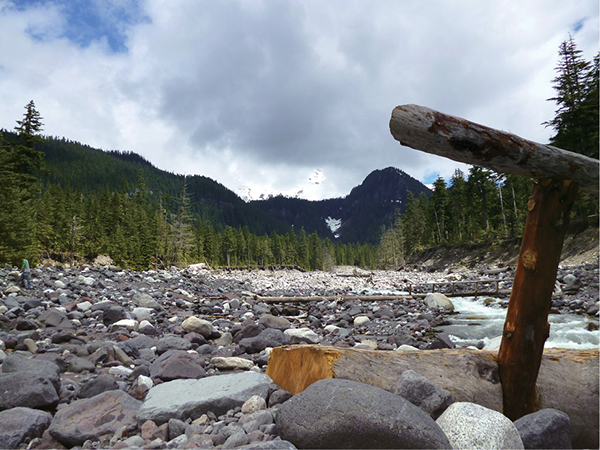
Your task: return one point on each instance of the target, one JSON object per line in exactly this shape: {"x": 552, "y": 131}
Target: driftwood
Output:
{"x": 559, "y": 172}
{"x": 433, "y": 132}
{"x": 568, "y": 379}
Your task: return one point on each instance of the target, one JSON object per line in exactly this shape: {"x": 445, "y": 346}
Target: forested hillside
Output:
{"x": 68, "y": 201}
{"x": 88, "y": 170}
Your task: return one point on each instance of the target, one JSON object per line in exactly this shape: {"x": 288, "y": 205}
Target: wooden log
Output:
{"x": 526, "y": 327}
{"x": 376, "y": 298}
{"x": 568, "y": 379}
{"x": 433, "y": 132}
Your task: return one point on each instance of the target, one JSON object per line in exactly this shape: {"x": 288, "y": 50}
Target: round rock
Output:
{"x": 337, "y": 413}
{"x": 470, "y": 426}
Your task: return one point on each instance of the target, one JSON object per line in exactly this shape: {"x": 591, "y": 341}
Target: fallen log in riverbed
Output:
{"x": 567, "y": 381}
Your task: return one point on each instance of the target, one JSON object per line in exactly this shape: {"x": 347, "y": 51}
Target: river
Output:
{"x": 475, "y": 321}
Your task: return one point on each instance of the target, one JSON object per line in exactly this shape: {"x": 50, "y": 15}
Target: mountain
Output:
{"x": 358, "y": 217}
{"x": 91, "y": 170}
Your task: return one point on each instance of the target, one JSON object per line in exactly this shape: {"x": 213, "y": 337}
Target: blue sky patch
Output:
{"x": 87, "y": 21}
{"x": 578, "y": 25}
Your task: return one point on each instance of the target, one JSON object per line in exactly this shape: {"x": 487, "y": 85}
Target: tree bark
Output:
{"x": 526, "y": 327}
{"x": 433, "y": 132}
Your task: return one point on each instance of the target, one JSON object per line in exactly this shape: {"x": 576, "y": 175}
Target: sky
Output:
{"x": 285, "y": 97}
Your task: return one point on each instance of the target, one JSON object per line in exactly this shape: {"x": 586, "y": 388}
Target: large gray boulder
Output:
{"x": 18, "y": 363}
{"x": 336, "y": 413}
{"x": 27, "y": 389}
{"x": 547, "y": 428}
{"x": 423, "y": 393}
{"x": 439, "y": 301}
{"x": 470, "y": 426}
{"x": 183, "y": 399}
{"x": 19, "y": 424}
{"x": 95, "y": 418}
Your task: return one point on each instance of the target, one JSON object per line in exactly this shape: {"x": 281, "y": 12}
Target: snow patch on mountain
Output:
{"x": 334, "y": 225}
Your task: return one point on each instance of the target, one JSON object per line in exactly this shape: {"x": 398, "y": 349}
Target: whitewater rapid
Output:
{"x": 477, "y": 321}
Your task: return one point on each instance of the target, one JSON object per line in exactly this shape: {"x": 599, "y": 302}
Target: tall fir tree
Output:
{"x": 21, "y": 163}
{"x": 576, "y": 120}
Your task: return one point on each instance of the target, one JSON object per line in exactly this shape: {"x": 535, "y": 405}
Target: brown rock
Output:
{"x": 96, "y": 418}
{"x": 151, "y": 431}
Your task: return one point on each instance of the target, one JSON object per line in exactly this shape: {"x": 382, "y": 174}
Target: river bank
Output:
{"x": 81, "y": 338}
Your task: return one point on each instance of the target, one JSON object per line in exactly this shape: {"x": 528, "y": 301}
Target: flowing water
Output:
{"x": 475, "y": 321}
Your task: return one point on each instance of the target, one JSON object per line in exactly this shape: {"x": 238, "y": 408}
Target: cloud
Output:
{"x": 263, "y": 93}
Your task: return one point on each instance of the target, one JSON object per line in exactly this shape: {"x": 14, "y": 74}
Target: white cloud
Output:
{"x": 262, "y": 93}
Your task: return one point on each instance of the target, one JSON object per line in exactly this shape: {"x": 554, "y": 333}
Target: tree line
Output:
{"x": 485, "y": 206}
{"x": 39, "y": 220}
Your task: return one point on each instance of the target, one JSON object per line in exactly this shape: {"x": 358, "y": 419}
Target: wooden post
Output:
{"x": 526, "y": 327}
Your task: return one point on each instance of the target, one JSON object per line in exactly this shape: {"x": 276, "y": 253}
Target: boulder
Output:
{"x": 231, "y": 363}
{"x": 361, "y": 321}
{"x": 176, "y": 364}
{"x": 97, "y": 386}
{"x": 269, "y": 337}
{"x": 20, "y": 424}
{"x": 247, "y": 331}
{"x": 470, "y": 426}
{"x": 95, "y": 418}
{"x": 253, "y": 404}
{"x": 442, "y": 340}
{"x": 423, "y": 393}
{"x": 27, "y": 389}
{"x": 547, "y": 428}
{"x": 183, "y": 399}
{"x": 301, "y": 335}
{"x": 271, "y": 321}
{"x": 143, "y": 313}
{"x": 145, "y": 301}
{"x": 335, "y": 413}
{"x": 55, "y": 318}
{"x": 439, "y": 301}
{"x": 195, "y": 325}
{"x": 171, "y": 342}
{"x": 19, "y": 363}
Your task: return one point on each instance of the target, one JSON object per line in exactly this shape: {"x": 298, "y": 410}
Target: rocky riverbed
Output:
{"x": 86, "y": 351}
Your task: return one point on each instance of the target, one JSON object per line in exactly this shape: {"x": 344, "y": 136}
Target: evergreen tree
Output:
{"x": 414, "y": 223}
{"x": 391, "y": 247}
{"x": 27, "y": 160}
{"x": 182, "y": 238}
{"x": 458, "y": 207}
{"x": 439, "y": 209}
{"x": 480, "y": 186}
{"x": 19, "y": 163}
{"x": 576, "y": 85}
